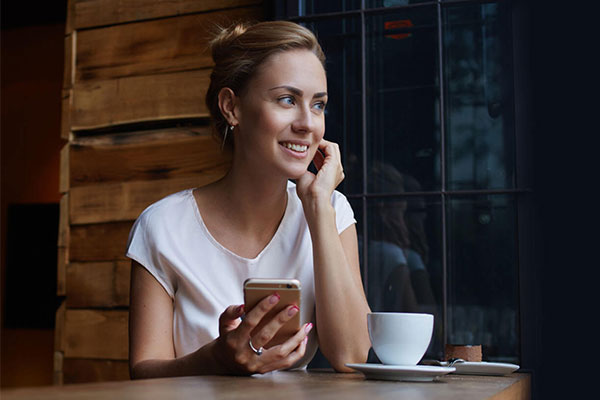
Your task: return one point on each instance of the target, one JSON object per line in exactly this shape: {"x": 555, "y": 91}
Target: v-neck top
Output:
{"x": 171, "y": 241}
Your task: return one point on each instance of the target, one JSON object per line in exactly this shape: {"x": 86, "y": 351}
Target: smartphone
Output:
{"x": 256, "y": 289}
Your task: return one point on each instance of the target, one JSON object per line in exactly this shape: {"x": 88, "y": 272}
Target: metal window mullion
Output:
{"x": 363, "y": 74}
{"x": 443, "y": 199}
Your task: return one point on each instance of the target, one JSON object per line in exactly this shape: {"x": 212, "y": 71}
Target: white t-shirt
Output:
{"x": 203, "y": 278}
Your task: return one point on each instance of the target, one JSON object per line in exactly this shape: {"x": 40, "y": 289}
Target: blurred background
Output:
{"x": 452, "y": 117}
{"x": 32, "y": 74}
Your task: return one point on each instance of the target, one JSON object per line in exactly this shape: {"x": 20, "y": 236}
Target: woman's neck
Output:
{"x": 248, "y": 200}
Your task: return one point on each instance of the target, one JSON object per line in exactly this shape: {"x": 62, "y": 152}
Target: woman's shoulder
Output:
{"x": 156, "y": 225}
{"x": 168, "y": 206}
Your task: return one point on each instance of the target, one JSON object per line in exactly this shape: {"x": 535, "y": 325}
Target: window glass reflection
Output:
{"x": 479, "y": 105}
{"x": 482, "y": 275}
{"x": 402, "y": 93}
{"x": 403, "y": 251}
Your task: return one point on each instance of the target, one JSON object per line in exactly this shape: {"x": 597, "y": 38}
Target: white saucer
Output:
{"x": 483, "y": 368}
{"x": 419, "y": 373}
{"x": 478, "y": 368}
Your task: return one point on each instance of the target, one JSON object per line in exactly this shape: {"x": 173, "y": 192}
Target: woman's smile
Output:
{"x": 295, "y": 149}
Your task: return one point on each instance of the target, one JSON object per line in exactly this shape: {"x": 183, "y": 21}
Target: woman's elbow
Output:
{"x": 134, "y": 373}
{"x": 358, "y": 356}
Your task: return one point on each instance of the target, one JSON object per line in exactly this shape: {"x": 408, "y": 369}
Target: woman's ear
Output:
{"x": 228, "y": 103}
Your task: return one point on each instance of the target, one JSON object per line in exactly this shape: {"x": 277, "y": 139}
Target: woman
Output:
{"x": 193, "y": 250}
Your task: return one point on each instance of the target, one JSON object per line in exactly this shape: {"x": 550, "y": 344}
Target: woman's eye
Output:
{"x": 287, "y": 100}
{"x": 320, "y": 105}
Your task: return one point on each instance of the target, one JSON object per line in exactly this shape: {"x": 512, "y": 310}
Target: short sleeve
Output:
{"x": 344, "y": 215}
{"x": 143, "y": 247}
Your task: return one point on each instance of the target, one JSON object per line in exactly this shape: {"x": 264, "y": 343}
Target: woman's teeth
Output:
{"x": 296, "y": 147}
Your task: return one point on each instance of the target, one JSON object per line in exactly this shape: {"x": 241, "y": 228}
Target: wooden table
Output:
{"x": 295, "y": 385}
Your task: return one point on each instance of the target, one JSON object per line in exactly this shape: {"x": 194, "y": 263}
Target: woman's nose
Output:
{"x": 304, "y": 121}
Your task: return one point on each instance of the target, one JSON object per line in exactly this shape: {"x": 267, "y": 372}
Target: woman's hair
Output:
{"x": 240, "y": 49}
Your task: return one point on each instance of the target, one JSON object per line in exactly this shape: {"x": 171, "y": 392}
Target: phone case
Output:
{"x": 256, "y": 289}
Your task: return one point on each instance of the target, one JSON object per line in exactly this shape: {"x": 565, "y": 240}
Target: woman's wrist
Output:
{"x": 318, "y": 209}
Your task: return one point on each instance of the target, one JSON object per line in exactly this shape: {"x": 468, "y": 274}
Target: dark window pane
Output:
{"x": 340, "y": 40}
{"x": 320, "y": 6}
{"x": 404, "y": 258}
{"x": 482, "y": 275}
{"x": 479, "y": 100}
{"x": 357, "y": 207}
{"x": 391, "y": 3}
{"x": 402, "y": 95}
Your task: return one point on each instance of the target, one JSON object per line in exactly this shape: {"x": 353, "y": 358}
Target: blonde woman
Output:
{"x": 192, "y": 251}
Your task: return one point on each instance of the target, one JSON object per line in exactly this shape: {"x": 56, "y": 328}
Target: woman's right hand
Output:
{"x": 233, "y": 350}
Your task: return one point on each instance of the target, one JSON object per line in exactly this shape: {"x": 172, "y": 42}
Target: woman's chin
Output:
{"x": 296, "y": 174}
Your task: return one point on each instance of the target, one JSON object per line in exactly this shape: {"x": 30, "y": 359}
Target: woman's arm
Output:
{"x": 151, "y": 352}
{"x": 341, "y": 305}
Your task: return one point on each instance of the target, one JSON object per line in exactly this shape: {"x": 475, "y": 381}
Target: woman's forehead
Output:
{"x": 298, "y": 68}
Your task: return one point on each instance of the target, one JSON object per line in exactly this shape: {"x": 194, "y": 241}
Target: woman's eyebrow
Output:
{"x": 292, "y": 89}
{"x": 297, "y": 91}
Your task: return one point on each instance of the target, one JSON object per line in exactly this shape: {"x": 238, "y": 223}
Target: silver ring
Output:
{"x": 257, "y": 352}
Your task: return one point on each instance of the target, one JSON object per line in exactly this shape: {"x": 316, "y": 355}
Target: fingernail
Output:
{"x": 293, "y": 310}
{"x": 274, "y": 298}
{"x": 308, "y": 327}
{"x": 240, "y": 309}
{"x": 305, "y": 340}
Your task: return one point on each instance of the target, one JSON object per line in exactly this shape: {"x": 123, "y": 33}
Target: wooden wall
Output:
{"x": 136, "y": 130}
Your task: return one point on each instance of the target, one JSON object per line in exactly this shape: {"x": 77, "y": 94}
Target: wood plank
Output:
{"x": 99, "y": 284}
{"x": 57, "y": 372}
{"x": 159, "y": 155}
{"x": 310, "y": 384}
{"x": 90, "y": 13}
{"x": 139, "y": 98}
{"x": 125, "y": 201}
{"x": 520, "y": 390}
{"x": 96, "y": 334}
{"x": 63, "y": 177}
{"x": 90, "y": 370}
{"x": 70, "y": 16}
{"x": 59, "y": 328}
{"x": 61, "y": 271}
{"x": 99, "y": 242}
{"x": 151, "y": 47}
{"x": 65, "y": 117}
{"x": 137, "y": 137}
{"x": 63, "y": 221}
{"x": 69, "y": 65}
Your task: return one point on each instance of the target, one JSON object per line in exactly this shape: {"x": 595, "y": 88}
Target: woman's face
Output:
{"x": 281, "y": 116}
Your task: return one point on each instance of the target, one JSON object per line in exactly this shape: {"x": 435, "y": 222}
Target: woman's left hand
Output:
{"x": 330, "y": 173}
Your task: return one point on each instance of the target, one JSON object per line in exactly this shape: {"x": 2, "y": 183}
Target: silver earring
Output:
{"x": 227, "y": 129}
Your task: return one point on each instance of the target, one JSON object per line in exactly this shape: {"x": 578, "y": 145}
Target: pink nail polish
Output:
{"x": 305, "y": 340}
{"x": 293, "y": 310}
{"x": 308, "y": 327}
{"x": 274, "y": 298}
{"x": 240, "y": 309}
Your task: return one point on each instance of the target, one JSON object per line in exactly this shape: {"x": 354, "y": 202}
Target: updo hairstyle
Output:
{"x": 238, "y": 51}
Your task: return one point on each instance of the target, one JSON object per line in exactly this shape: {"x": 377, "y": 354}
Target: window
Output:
{"x": 422, "y": 103}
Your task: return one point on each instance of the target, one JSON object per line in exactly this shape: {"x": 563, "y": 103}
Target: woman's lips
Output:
{"x": 297, "y": 150}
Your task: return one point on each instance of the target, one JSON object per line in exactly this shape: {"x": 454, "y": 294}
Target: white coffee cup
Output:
{"x": 400, "y": 338}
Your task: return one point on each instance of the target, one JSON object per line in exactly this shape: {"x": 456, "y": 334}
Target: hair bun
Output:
{"x": 224, "y": 39}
